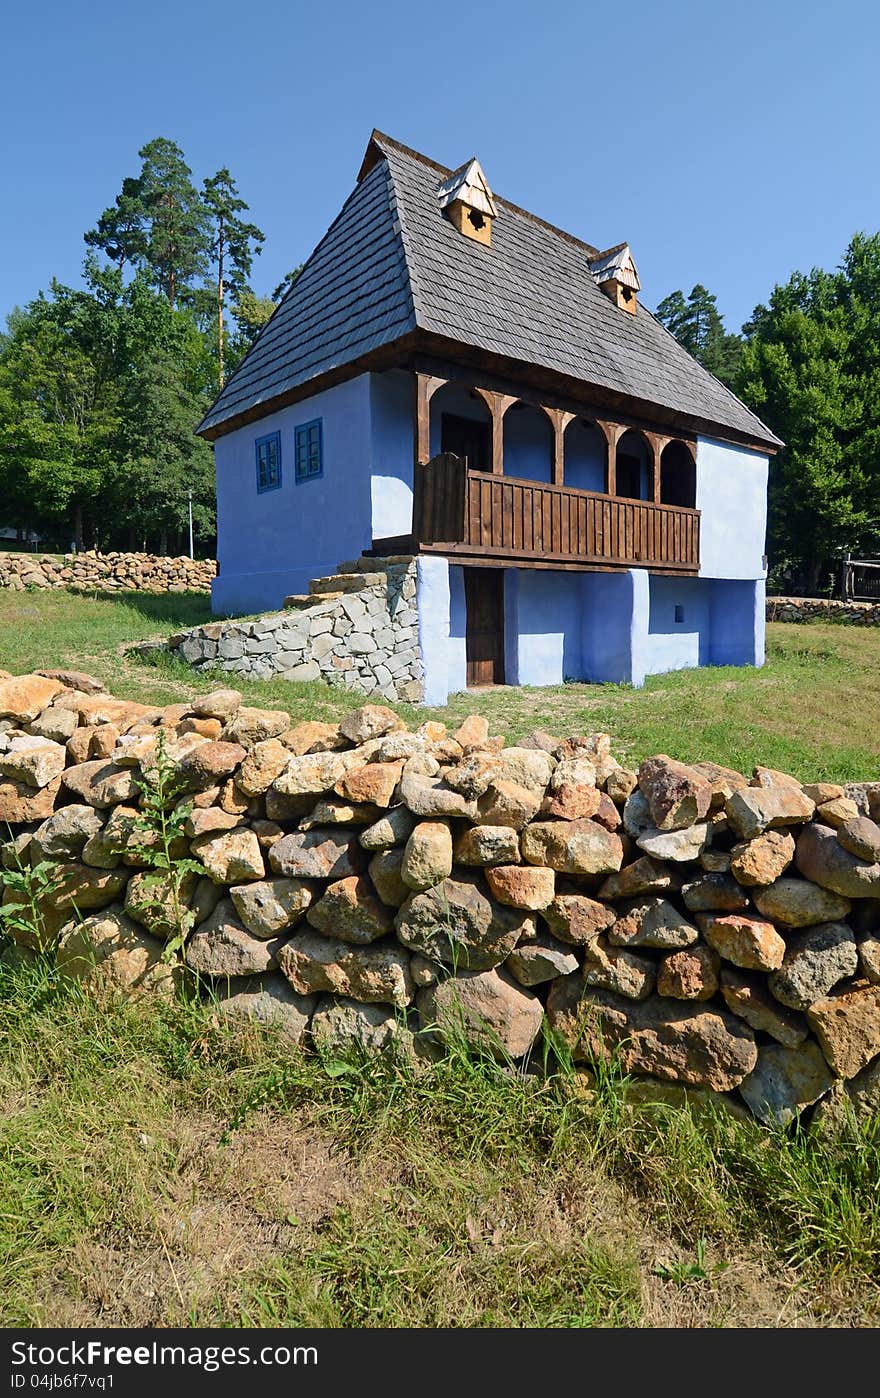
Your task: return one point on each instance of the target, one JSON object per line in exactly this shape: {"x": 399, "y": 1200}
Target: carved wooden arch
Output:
{"x": 606, "y": 431}
{"x": 558, "y": 419}
{"x": 652, "y": 442}
{"x": 690, "y": 448}
{"x": 426, "y": 385}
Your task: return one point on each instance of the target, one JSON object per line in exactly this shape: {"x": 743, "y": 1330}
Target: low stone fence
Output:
{"x": 359, "y": 885}
{"x": 106, "y": 572}
{"x": 823, "y": 609}
{"x": 358, "y": 628}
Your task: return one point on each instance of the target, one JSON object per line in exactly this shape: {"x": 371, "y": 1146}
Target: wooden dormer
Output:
{"x": 466, "y": 199}
{"x": 616, "y": 274}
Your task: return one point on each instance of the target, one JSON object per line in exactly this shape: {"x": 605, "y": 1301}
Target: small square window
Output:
{"x": 679, "y": 614}
{"x": 268, "y": 462}
{"x": 309, "y": 451}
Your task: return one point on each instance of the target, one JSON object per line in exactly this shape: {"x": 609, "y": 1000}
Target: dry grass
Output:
{"x": 375, "y": 1195}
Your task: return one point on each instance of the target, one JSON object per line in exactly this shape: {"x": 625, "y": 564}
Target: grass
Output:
{"x": 813, "y": 709}
{"x": 160, "y": 1166}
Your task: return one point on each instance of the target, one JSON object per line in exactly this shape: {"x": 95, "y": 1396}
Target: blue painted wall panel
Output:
{"x": 684, "y": 644}
{"x": 549, "y": 624}
{"x": 585, "y": 457}
{"x": 738, "y": 622}
{"x": 433, "y": 602}
{"x": 391, "y": 452}
{"x": 528, "y": 444}
{"x": 273, "y": 544}
{"x": 456, "y": 655}
{"x": 732, "y": 496}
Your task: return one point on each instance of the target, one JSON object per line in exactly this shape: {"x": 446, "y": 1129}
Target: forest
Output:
{"x": 102, "y": 385}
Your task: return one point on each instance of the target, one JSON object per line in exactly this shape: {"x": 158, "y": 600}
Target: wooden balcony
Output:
{"x": 479, "y": 516}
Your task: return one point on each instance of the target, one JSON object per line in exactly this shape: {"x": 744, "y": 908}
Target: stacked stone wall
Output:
{"x": 358, "y": 629}
{"x": 106, "y": 572}
{"x": 363, "y": 886}
{"x": 823, "y": 609}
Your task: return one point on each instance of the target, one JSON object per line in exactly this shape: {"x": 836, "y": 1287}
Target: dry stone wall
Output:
{"x": 823, "y": 609}
{"x": 358, "y": 629}
{"x": 364, "y": 885}
{"x": 106, "y": 572}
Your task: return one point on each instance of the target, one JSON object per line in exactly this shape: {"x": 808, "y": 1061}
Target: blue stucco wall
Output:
{"x": 391, "y": 452}
{"x": 433, "y": 602}
{"x": 677, "y": 645}
{"x": 615, "y": 621}
{"x": 585, "y": 456}
{"x": 456, "y": 651}
{"x": 543, "y": 612}
{"x": 738, "y": 622}
{"x": 732, "y": 496}
{"x": 528, "y": 443}
{"x": 273, "y": 544}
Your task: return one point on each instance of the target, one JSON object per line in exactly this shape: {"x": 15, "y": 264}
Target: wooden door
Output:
{"x": 484, "y": 604}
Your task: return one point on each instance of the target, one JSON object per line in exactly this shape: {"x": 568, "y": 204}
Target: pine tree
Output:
{"x": 233, "y": 246}
{"x": 176, "y": 222}
{"x": 697, "y": 325}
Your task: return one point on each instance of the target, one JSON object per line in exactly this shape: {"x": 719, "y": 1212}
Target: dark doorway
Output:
{"x": 466, "y": 437}
{"x": 629, "y": 477}
{"x": 484, "y": 603}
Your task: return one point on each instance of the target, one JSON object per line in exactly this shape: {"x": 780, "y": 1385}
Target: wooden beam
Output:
{"x": 426, "y": 385}
{"x": 497, "y": 403}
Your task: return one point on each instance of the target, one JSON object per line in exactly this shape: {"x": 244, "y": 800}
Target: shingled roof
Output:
{"x": 391, "y": 268}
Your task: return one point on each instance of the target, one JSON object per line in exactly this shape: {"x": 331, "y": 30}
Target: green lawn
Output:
{"x": 814, "y": 708}
{"x": 159, "y": 1166}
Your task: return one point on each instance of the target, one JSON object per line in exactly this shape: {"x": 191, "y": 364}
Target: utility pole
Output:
{"x": 189, "y": 496}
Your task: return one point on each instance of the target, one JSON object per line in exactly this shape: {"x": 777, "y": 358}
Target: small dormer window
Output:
{"x": 467, "y": 201}
{"x": 616, "y": 274}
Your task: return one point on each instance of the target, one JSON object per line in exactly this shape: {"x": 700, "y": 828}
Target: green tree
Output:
{"x": 59, "y": 408}
{"x": 177, "y": 233}
{"x": 801, "y": 371}
{"x": 120, "y": 230}
{"x": 234, "y": 243}
{"x": 286, "y": 283}
{"x": 697, "y": 325}
{"x": 165, "y": 386}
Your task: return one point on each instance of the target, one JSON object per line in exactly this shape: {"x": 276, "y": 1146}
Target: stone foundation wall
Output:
{"x": 823, "y": 609}
{"x": 362, "y": 885}
{"x": 360, "y": 631}
{"x": 106, "y": 572}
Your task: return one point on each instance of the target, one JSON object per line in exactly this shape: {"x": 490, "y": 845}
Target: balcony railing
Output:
{"x": 480, "y": 515}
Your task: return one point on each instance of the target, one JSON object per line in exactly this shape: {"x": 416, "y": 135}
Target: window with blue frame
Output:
{"x": 309, "y": 451}
{"x": 268, "y": 462}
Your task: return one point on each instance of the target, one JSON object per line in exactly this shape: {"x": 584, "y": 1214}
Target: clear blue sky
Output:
{"x": 730, "y": 143}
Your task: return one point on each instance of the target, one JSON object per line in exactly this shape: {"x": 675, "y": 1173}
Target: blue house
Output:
{"x": 453, "y": 380}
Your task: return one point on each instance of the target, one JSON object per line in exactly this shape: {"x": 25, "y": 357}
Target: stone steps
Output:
{"x": 365, "y": 564}
{"x": 346, "y": 582}
{"x": 298, "y": 601}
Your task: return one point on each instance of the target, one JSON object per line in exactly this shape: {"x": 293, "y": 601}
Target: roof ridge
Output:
{"x": 412, "y": 280}
{"x": 720, "y": 382}
{"x": 380, "y": 139}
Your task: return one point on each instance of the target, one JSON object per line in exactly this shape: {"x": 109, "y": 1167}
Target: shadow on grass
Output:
{"x": 179, "y": 609}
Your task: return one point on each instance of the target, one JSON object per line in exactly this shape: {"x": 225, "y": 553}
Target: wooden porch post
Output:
{"x": 657, "y": 445}
{"x": 611, "y": 432}
{"x": 426, "y": 386}
{"x": 497, "y": 403}
{"x": 559, "y": 420}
